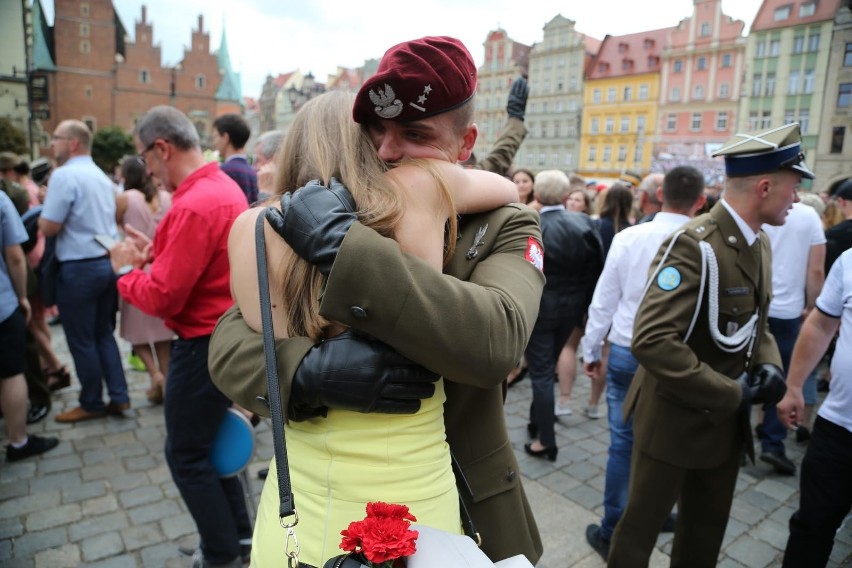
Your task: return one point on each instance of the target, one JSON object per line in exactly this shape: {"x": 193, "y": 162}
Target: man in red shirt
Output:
{"x": 188, "y": 285}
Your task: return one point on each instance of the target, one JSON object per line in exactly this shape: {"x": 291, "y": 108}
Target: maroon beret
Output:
{"x": 417, "y": 79}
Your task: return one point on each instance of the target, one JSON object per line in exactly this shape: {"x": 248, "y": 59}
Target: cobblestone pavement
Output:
{"x": 104, "y": 497}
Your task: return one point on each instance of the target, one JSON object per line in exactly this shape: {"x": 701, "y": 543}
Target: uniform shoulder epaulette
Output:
{"x": 700, "y": 227}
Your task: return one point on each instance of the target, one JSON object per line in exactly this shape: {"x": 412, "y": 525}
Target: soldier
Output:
{"x": 705, "y": 355}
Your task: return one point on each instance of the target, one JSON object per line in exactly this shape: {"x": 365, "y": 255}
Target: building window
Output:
{"x": 200, "y": 81}
{"x": 595, "y": 126}
{"x": 804, "y": 120}
{"x": 593, "y": 153}
{"x": 622, "y": 153}
{"x": 766, "y": 119}
{"x": 793, "y": 82}
{"x": 806, "y": 10}
{"x": 610, "y": 95}
{"x": 88, "y": 92}
{"x": 847, "y": 57}
{"x": 702, "y": 63}
{"x": 813, "y": 42}
{"x": 607, "y": 153}
{"x": 569, "y": 159}
{"x": 705, "y": 29}
{"x": 770, "y": 84}
{"x": 678, "y": 66}
{"x": 541, "y": 157}
{"x": 90, "y": 122}
{"x": 610, "y": 125}
{"x": 774, "y": 47}
{"x": 844, "y": 95}
{"x": 838, "y": 133}
{"x": 84, "y": 30}
{"x": 798, "y": 44}
{"x": 596, "y": 96}
{"x": 671, "y": 122}
{"x": 756, "y": 84}
{"x": 724, "y": 91}
{"x": 789, "y": 116}
{"x": 675, "y": 93}
{"x": 643, "y": 92}
{"x": 721, "y": 120}
{"x": 144, "y": 76}
{"x": 637, "y": 154}
{"x": 628, "y": 93}
{"x": 808, "y": 82}
{"x": 782, "y": 13}
{"x": 752, "y": 120}
{"x": 726, "y": 60}
{"x": 625, "y": 124}
{"x": 761, "y": 50}
{"x": 84, "y": 9}
{"x": 640, "y": 123}
{"x": 85, "y": 47}
{"x": 695, "y": 123}
{"x": 698, "y": 92}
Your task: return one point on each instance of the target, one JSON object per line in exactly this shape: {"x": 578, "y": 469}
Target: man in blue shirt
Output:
{"x": 14, "y": 314}
{"x": 80, "y": 204}
{"x": 230, "y": 134}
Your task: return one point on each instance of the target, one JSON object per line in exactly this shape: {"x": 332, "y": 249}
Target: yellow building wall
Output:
{"x": 600, "y": 152}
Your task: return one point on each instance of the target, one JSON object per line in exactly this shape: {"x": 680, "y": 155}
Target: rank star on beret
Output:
{"x": 753, "y": 153}
{"x": 417, "y": 79}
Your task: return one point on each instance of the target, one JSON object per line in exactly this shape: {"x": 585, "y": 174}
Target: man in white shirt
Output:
{"x": 798, "y": 256}
{"x": 825, "y": 492}
{"x": 614, "y": 304}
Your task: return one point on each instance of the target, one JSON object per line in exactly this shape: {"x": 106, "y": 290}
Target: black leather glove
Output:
{"x": 314, "y": 220}
{"x": 358, "y": 373}
{"x": 768, "y": 380}
{"x": 748, "y": 393}
{"x": 517, "y": 104}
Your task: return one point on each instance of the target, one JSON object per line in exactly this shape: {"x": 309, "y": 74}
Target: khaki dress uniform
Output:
{"x": 471, "y": 329}
{"x": 690, "y": 432}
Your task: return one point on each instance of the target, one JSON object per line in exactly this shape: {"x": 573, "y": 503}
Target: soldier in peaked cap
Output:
{"x": 469, "y": 324}
{"x": 706, "y": 356}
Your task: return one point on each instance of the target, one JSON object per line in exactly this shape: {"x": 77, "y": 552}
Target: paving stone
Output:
{"x": 22, "y": 470}
{"x": 14, "y": 489}
{"x": 159, "y": 555}
{"x": 130, "y": 451}
{"x": 87, "y": 444}
{"x": 140, "y": 463}
{"x": 29, "y": 543}
{"x": 98, "y": 455}
{"x": 733, "y": 531}
{"x": 772, "y": 533}
{"x": 559, "y": 481}
{"x": 745, "y": 512}
{"x": 67, "y": 556}
{"x": 594, "y": 446}
{"x": 776, "y": 489}
{"x": 177, "y": 526}
{"x": 123, "y": 561}
{"x": 752, "y": 552}
{"x": 583, "y": 471}
{"x": 65, "y": 480}
{"x": 120, "y": 439}
{"x": 53, "y": 517}
{"x": 28, "y": 504}
{"x": 6, "y": 549}
{"x": 99, "y": 505}
{"x": 84, "y": 491}
{"x": 585, "y": 496}
{"x": 760, "y": 500}
{"x": 128, "y": 481}
{"x": 97, "y": 525}
{"x": 160, "y": 474}
{"x": 62, "y": 463}
{"x": 139, "y": 496}
{"x": 102, "y": 546}
{"x": 10, "y": 528}
{"x": 153, "y": 512}
{"x": 141, "y": 536}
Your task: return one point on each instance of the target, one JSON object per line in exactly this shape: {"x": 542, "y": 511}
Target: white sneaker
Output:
{"x": 592, "y": 412}
{"x": 563, "y": 409}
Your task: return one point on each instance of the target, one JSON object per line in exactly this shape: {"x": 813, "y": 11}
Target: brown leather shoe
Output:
{"x": 117, "y": 408}
{"x": 78, "y": 415}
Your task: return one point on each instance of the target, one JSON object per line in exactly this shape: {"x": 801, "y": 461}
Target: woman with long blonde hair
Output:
{"x": 341, "y": 461}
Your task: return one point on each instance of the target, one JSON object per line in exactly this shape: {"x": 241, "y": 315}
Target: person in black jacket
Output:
{"x": 573, "y": 260}
{"x": 839, "y": 237}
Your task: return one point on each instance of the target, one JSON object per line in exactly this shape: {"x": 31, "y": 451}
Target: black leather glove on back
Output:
{"x": 748, "y": 392}
{"x": 768, "y": 381}
{"x": 358, "y": 373}
{"x": 517, "y": 104}
{"x": 314, "y": 220}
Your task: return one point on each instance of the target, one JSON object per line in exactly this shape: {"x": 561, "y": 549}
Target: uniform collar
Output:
{"x": 749, "y": 235}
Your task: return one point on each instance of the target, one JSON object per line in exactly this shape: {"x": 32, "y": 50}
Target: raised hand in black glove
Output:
{"x": 314, "y": 220}
{"x": 517, "y": 104}
{"x": 765, "y": 385}
{"x": 354, "y": 372}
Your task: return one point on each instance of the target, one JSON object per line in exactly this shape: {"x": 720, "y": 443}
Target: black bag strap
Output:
{"x": 285, "y": 492}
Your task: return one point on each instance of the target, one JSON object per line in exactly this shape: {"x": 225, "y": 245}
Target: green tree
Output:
{"x": 12, "y": 138}
{"x": 109, "y": 145}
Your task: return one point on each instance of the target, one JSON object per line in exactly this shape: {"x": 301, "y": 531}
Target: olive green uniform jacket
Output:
{"x": 469, "y": 325}
{"x": 685, "y": 395}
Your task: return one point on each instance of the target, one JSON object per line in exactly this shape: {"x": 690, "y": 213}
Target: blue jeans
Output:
{"x": 620, "y": 368}
{"x": 772, "y": 432}
{"x": 88, "y": 299}
{"x": 194, "y": 409}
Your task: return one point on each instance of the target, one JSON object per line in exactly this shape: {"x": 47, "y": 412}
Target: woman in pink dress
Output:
{"x": 142, "y": 206}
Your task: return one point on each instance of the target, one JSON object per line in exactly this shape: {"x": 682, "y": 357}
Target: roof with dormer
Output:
{"x": 631, "y": 54}
{"x": 766, "y": 18}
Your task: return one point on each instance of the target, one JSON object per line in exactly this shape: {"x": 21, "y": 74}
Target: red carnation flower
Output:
{"x": 383, "y": 537}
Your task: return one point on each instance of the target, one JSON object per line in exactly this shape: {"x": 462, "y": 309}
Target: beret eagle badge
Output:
{"x": 387, "y": 105}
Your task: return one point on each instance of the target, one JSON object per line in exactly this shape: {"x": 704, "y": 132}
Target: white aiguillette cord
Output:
{"x": 287, "y": 507}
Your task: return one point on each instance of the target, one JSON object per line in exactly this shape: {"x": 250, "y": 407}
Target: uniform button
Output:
{"x": 358, "y": 312}
{"x": 732, "y": 239}
{"x": 735, "y": 309}
{"x": 510, "y": 475}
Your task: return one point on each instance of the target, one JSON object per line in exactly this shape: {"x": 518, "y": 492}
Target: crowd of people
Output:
{"x": 485, "y": 271}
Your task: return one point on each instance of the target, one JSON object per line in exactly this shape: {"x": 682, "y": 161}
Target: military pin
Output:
{"x": 732, "y": 328}
{"x": 477, "y": 242}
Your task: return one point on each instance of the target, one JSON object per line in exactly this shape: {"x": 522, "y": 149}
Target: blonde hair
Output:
{"x": 324, "y": 142}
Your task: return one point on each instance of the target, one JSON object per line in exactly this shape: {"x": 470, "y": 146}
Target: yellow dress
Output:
{"x": 339, "y": 463}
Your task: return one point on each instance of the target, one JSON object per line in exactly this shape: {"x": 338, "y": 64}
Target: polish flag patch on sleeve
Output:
{"x": 535, "y": 253}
